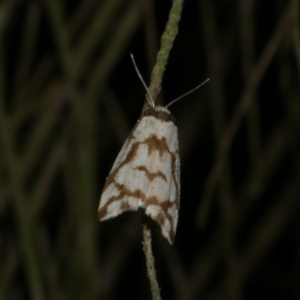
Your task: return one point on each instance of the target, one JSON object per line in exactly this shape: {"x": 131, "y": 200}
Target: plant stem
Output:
{"x": 167, "y": 41}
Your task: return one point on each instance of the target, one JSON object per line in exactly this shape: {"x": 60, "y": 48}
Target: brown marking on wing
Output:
{"x": 131, "y": 154}
{"x": 151, "y": 176}
{"x": 164, "y": 205}
{"x": 160, "y": 145}
{"x": 160, "y": 219}
{"x": 154, "y": 144}
{"x": 102, "y": 212}
{"x": 125, "y": 206}
{"x": 123, "y": 192}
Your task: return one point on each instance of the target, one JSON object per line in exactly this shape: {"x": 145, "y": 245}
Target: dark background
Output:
{"x": 69, "y": 97}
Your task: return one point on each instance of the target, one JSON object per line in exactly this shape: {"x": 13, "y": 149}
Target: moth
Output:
{"x": 146, "y": 173}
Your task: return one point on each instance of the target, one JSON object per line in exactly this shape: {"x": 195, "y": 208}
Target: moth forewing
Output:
{"x": 146, "y": 173}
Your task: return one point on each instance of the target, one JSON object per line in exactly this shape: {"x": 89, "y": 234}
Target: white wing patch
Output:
{"x": 146, "y": 173}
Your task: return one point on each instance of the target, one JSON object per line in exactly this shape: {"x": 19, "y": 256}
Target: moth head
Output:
{"x": 159, "y": 112}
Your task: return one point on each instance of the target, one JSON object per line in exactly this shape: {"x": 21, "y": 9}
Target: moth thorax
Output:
{"x": 160, "y": 112}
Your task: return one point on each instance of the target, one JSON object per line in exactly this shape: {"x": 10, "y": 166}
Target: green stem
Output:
{"x": 150, "y": 262}
{"x": 167, "y": 41}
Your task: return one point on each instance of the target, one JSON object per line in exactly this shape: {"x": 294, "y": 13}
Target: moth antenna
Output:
{"x": 191, "y": 91}
{"x": 142, "y": 80}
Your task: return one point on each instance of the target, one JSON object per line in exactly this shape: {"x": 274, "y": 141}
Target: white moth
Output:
{"x": 146, "y": 173}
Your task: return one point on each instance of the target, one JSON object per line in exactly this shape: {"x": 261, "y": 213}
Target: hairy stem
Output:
{"x": 167, "y": 41}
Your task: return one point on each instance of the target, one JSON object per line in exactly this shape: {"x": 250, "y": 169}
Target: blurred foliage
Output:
{"x": 68, "y": 98}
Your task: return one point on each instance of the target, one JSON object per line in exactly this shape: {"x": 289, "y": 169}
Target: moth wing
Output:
{"x": 111, "y": 201}
{"x": 162, "y": 169}
{"x": 146, "y": 174}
